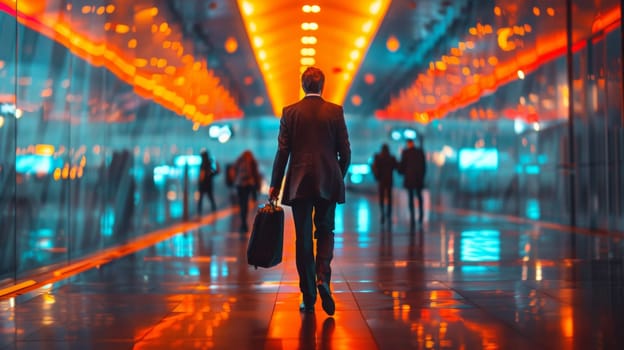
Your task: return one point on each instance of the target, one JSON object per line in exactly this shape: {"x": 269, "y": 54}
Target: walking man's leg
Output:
{"x": 324, "y": 212}
{"x": 304, "y": 250}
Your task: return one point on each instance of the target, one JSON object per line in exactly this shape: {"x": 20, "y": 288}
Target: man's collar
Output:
{"x": 312, "y": 94}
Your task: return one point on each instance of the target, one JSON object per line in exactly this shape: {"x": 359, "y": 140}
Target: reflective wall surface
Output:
{"x": 86, "y": 163}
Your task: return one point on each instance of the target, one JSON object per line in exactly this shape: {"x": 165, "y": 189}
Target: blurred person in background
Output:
{"x": 383, "y": 168}
{"x": 208, "y": 169}
{"x": 413, "y": 168}
{"x": 247, "y": 181}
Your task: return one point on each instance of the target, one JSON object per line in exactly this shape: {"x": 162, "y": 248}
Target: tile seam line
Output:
{"x": 370, "y": 331}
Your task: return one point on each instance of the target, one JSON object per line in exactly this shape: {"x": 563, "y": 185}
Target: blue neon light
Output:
{"x": 478, "y": 159}
{"x": 34, "y": 164}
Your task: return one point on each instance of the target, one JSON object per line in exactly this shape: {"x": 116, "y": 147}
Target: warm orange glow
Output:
{"x": 479, "y": 78}
{"x": 122, "y": 28}
{"x": 335, "y": 38}
{"x": 159, "y": 80}
{"x": 393, "y": 44}
{"x": 503, "y": 39}
{"x": 44, "y": 150}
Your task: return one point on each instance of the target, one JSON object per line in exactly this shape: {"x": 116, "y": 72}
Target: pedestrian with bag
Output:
{"x": 314, "y": 142}
{"x": 247, "y": 182}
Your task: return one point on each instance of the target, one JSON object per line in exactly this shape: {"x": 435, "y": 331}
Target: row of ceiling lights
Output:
{"x": 427, "y": 99}
{"x": 174, "y": 79}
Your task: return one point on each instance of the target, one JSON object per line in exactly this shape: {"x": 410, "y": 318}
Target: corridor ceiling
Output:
{"x": 207, "y": 60}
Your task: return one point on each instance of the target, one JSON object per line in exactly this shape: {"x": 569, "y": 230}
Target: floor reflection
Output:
{"x": 460, "y": 281}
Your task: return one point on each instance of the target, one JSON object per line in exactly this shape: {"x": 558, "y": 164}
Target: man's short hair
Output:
{"x": 312, "y": 80}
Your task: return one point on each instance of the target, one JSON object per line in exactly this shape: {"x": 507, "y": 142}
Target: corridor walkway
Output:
{"x": 464, "y": 280}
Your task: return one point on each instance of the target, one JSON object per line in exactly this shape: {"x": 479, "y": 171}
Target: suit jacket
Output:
{"x": 413, "y": 167}
{"x": 314, "y": 141}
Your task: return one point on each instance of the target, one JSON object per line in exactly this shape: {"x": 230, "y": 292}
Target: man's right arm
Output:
{"x": 281, "y": 158}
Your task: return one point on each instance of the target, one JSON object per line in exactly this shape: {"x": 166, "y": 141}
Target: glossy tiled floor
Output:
{"x": 461, "y": 281}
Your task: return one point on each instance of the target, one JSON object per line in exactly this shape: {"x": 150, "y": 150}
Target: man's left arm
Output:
{"x": 342, "y": 144}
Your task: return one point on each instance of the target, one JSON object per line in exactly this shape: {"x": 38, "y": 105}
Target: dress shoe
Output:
{"x": 307, "y": 309}
{"x": 327, "y": 301}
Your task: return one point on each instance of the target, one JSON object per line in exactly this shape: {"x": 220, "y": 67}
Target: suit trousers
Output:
{"x": 313, "y": 269}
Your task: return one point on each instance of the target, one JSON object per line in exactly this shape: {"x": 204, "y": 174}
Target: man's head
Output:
{"x": 312, "y": 80}
{"x": 410, "y": 143}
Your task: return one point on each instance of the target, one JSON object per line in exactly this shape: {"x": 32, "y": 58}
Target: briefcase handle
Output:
{"x": 270, "y": 206}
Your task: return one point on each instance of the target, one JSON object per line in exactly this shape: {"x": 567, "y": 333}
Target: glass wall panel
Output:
{"x": 86, "y": 161}
{"x": 510, "y": 151}
{"x": 9, "y": 203}
{"x": 39, "y": 152}
{"x": 597, "y": 120}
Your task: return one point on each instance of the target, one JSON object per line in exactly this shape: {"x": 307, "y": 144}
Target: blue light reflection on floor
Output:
{"x": 214, "y": 269}
{"x": 339, "y": 219}
{"x": 363, "y": 223}
{"x": 480, "y": 246}
{"x": 339, "y": 227}
{"x": 533, "y": 211}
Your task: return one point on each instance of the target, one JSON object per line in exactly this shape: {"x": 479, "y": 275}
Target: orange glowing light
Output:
{"x": 393, "y": 44}
{"x": 122, "y": 28}
{"x": 341, "y": 34}
{"x": 156, "y": 82}
{"x": 44, "y": 150}
{"x": 231, "y": 45}
{"x": 418, "y": 98}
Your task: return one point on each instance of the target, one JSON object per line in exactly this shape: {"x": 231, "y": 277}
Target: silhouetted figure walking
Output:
{"x": 247, "y": 182}
{"x": 413, "y": 167}
{"x": 383, "y": 169}
{"x": 207, "y": 170}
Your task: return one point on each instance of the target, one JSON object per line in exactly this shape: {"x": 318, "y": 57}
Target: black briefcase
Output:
{"x": 266, "y": 241}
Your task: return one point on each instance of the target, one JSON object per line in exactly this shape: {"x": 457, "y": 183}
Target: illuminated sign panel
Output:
{"x": 478, "y": 159}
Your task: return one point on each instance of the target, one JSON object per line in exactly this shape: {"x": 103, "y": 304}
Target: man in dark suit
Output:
{"x": 413, "y": 167}
{"x": 313, "y": 136}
